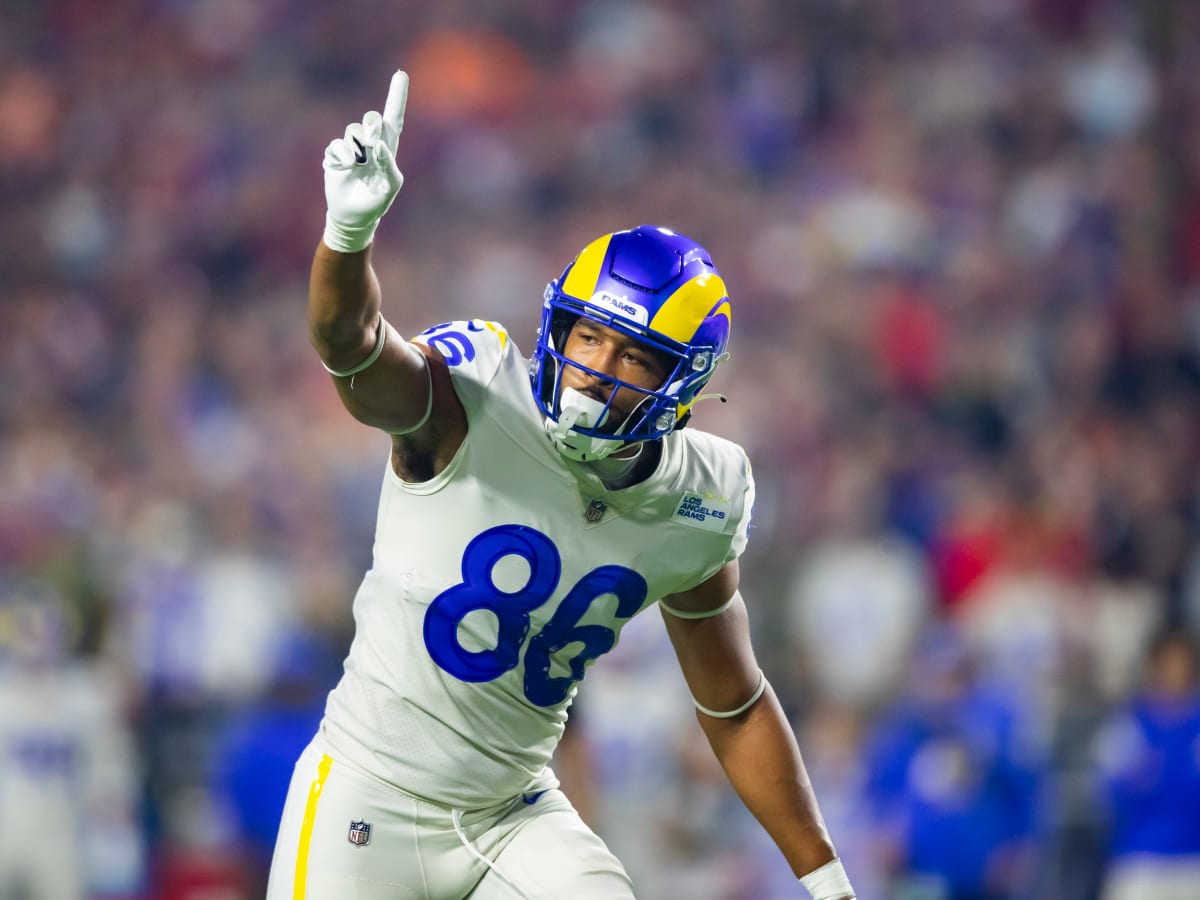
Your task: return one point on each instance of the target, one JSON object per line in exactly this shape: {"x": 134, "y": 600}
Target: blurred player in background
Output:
{"x": 518, "y": 530}
{"x": 68, "y": 802}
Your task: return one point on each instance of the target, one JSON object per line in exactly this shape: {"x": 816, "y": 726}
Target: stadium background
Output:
{"x": 963, "y": 243}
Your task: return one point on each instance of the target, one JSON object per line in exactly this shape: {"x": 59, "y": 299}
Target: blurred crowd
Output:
{"x": 963, "y": 245}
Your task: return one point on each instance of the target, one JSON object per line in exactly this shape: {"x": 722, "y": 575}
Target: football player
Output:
{"x": 529, "y": 509}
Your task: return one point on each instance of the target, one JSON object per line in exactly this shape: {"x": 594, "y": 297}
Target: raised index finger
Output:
{"x": 393, "y": 109}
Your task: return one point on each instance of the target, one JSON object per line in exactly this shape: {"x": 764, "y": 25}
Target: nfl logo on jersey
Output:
{"x": 595, "y": 511}
{"x": 360, "y": 834}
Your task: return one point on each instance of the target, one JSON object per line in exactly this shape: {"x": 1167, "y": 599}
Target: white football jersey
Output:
{"x": 495, "y": 584}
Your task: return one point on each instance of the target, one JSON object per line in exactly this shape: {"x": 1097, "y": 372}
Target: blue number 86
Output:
{"x": 478, "y": 591}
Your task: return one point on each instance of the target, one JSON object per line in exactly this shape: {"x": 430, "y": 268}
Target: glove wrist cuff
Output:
{"x": 829, "y": 882}
{"x": 348, "y": 238}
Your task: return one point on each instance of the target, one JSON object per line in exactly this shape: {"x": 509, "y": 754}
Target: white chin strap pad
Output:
{"x": 579, "y": 409}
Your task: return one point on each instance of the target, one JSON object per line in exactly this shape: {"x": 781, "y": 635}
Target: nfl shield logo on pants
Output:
{"x": 360, "y": 834}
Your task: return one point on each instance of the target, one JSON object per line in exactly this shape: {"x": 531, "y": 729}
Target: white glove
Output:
{"x": 361, "y": 178}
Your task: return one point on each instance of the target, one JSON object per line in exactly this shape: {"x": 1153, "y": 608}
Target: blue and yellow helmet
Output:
{"x": 656, "y": 286}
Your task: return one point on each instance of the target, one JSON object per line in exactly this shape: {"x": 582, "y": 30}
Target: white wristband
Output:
{"x": 828, "y": 882}
{"x": 347, "y": 238}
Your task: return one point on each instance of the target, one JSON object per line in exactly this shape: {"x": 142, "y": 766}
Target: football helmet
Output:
{"x": 656, "y": 286}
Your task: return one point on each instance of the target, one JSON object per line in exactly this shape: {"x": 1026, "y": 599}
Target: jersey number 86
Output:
{"x": 512, "y": 609}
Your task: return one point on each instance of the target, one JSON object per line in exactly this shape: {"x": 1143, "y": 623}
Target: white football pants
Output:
{"x": 348, "y": 836}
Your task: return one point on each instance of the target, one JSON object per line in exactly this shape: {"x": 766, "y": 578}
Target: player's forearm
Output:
{"x": 343, "y": 302}
{"x": 759, "y": 754}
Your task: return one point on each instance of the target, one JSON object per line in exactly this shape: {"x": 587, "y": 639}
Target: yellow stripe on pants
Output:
{"x": 310, "y": 814}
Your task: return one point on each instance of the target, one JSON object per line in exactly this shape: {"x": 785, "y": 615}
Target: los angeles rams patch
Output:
{"x": 702, "y": 511}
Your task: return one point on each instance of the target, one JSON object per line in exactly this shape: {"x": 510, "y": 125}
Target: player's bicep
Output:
{"x": 395, "y": 391}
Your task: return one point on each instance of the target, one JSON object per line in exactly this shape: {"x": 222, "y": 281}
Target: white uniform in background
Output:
{"x": 68, "y": 786}
{"x": 493, "y": 586}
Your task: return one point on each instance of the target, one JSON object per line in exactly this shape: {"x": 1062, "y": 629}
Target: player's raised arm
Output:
{"x": 383, "y": 380}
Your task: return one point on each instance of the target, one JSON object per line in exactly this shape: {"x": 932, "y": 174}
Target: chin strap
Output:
{"x": 579, "y": 409}
{"x": 576, "y": 408}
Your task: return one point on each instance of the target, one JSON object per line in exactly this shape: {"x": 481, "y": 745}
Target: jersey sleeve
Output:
{"x": 716, "y": 511}
{"x": 475, "y": 350}
{"x": 741, "y": 532}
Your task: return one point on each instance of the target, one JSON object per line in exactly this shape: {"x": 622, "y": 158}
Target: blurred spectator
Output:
{"x": 954, "y": 779}
{"x": 857, "y": 607}
{"x": 1150, "y": 763}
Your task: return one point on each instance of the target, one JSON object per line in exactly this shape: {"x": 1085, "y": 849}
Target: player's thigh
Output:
{"x": 547, "y": 852}
{"x": 320, "y": 856}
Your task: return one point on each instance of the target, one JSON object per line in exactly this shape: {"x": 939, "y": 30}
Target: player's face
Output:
{"x": 611, "y": 353}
